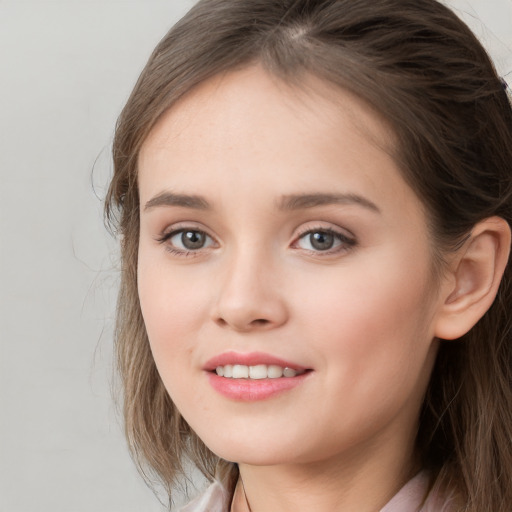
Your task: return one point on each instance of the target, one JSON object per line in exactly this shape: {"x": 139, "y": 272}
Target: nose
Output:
{"x": 250, "y": 297}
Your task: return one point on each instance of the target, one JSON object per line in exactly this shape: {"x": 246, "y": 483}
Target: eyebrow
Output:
{"x": 286, "y": 203}
{"x": 304, "y": 201}
{"x": 183, "y": 200}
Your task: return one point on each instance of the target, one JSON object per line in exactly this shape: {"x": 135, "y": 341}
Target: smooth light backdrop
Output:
{"x": 66, "y": 68}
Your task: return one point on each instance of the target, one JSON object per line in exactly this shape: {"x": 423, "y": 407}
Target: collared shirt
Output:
{"x": 412, "y": 497}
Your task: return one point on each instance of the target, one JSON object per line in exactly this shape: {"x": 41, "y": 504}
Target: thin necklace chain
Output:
{"x": 245, "y": 495}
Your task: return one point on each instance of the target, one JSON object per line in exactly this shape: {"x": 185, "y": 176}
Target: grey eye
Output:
{"x": 321, "y": 241}
{"x": 190, "y": 240}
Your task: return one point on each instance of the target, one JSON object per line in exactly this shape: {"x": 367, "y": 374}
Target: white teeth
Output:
{"x": 240, "y": 371}
{"x": 257, "y": 372}
{"x": 288, "y": 372}
{"x": 274, "y": 372}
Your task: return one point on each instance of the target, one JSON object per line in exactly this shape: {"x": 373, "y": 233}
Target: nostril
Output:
{"x": 260, "y": 321}
{"x": 241, "y": 326}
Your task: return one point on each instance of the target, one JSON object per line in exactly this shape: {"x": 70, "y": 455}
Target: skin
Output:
{"x": 362, "y": 316}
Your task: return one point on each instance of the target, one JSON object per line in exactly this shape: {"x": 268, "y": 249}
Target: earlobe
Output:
{"x": 474, "y": 279}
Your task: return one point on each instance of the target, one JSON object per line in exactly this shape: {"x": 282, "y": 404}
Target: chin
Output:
{"x": 257, "y": 453}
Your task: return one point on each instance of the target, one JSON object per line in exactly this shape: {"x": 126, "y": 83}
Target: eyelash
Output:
{"x": 345, "y": 242}
{"x": 165, "y": 237}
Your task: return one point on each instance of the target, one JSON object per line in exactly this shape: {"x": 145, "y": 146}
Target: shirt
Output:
{"x": 412, "y": 497}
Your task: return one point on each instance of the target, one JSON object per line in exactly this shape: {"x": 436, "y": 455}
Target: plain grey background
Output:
{"x": 67, "y": 66}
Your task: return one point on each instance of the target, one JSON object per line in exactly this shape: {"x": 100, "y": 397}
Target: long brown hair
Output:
{"x": 417, "y": 64}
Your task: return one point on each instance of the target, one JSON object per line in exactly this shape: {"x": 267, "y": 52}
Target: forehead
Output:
{"x": 254, "y": 97}
{"x": 248, "y": 132}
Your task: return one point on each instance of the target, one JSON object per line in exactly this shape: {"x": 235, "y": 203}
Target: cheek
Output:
{"x": 173, "y": 308}
{"x": 373, "y": 327}
{"x": 373, "y": 346}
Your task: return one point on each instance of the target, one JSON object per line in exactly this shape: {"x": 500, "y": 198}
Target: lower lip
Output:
{"x": 252, "y": 390}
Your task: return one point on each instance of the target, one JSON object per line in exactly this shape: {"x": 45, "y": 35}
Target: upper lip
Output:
{"x": 249, "y": 359}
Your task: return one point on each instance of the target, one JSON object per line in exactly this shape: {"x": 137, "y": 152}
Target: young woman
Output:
{"x": 315, "y": 203}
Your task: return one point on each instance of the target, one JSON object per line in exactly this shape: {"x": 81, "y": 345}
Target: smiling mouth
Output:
{"x": 255, "y": 376}
{"x": 256, "y": 372}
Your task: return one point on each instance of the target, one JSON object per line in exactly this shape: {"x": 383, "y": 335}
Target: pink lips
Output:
{"x": 252, "y": 390}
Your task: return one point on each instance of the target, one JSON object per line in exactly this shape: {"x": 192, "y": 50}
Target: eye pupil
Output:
{"x": 321, "y": 241}
{"x": 192, "y": 239}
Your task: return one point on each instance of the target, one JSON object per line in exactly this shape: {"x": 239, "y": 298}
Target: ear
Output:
{"x": 473, "y": 280}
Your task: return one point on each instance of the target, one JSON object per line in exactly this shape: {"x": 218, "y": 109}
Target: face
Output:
{"x": 277, "y": 232}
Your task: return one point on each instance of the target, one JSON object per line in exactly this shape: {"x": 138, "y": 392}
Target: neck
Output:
{"x": 353, "y": 483}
